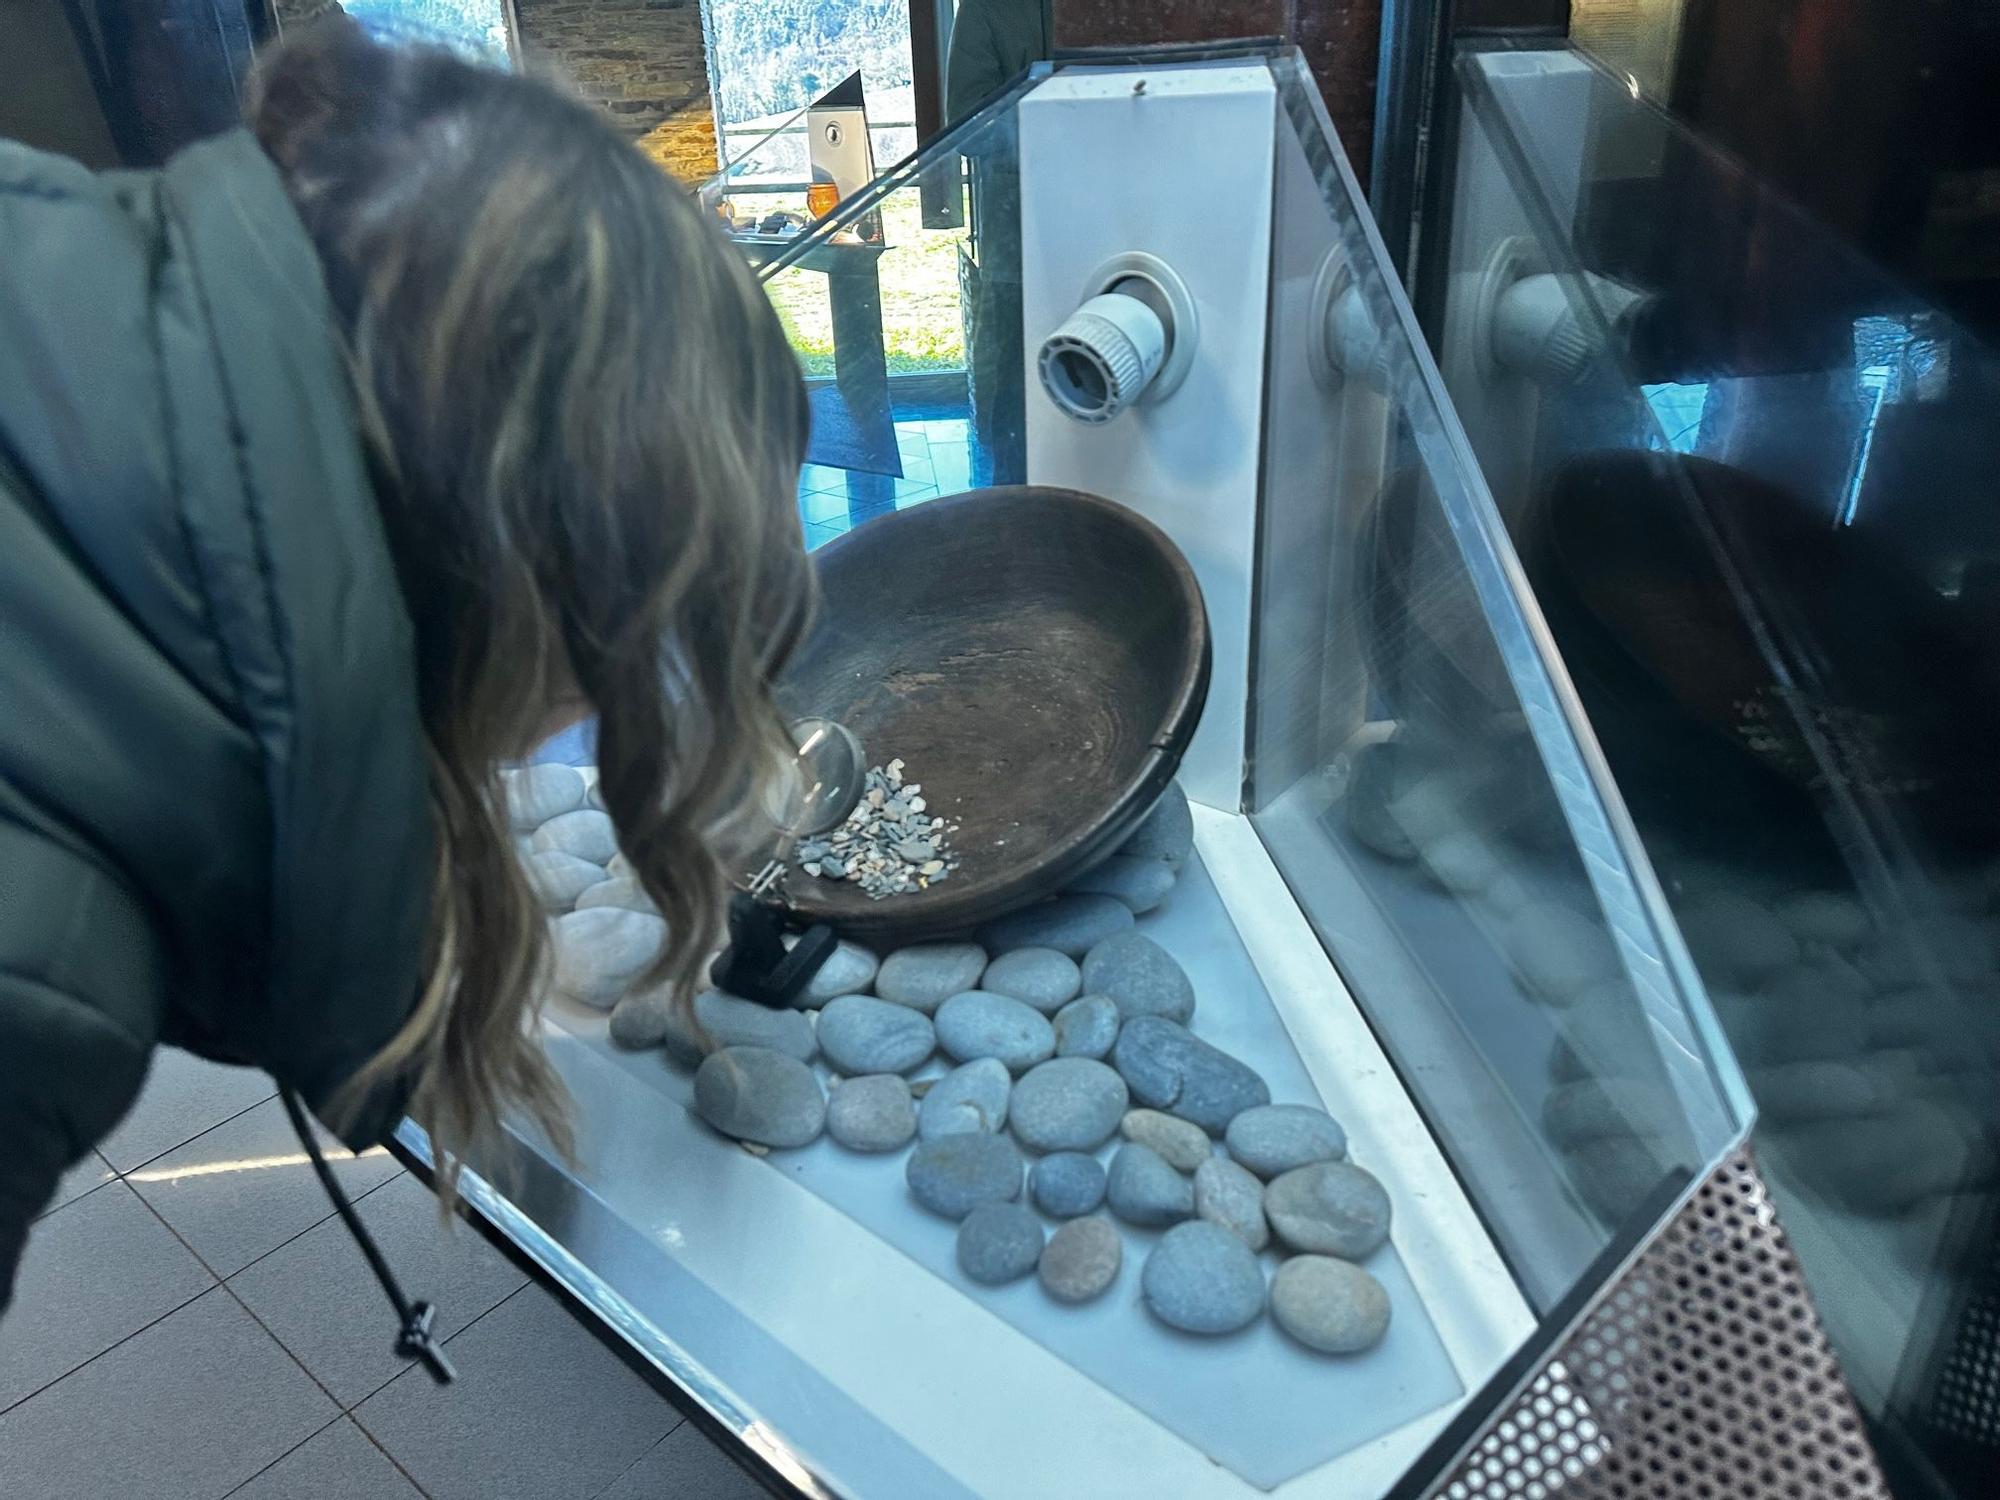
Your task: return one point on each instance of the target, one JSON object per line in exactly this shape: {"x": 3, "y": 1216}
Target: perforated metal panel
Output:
{"x": 1704, "y": 1375}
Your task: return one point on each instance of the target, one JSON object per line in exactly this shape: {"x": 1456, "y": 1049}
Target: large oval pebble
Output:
{"x": 926, "y": 976}
{"x": 1275, "y": 1138}
{"x": 1069, "y": 924}
{"x": 999, "y": 1243}
{"x": 969, "y": 1100}
{"x": 1087, "y": 1026}
{"x": 1065, "y": 1184}
{"x": 1332, "y": 1207}
{"x": 1183, "y": 1145}
{"x": 1138, "y": 883}
{"x": 1040, "y": 977}
{"x": 1067, "y": 1104}
{"x": 1142, "y": 1189}
{"x": 1558, "y": 953}
{"x": 586, "y": 834}
{"x": 1226, "y": 1194}
{"x": 1831, "y": 918}
{"x": 863, "y": 1035}
{"x": 1735, "y": 941}
{"x": 625, "y": 892}
{"x": 1167, "y": 1067}
{"x": 560, "y": 878}
{"x": 977, "y": 1024}
{"x": 720, "y": 1020}
{"x": 848, "y": 970}
{"x": 536, "y": 794}
{"x": 1141, "y": 976}
{"x": 600, "y": 951}
{"x": 1202, "y": 1279}
{"x": 755, "y": 1094}
{"x": 1081, "y": 1260}
{"x": 954, "y": 1174}
{"x": 875, "y": 1113}
{"x": 1329, "y": 1305}
{"x": 1168, "y": 832}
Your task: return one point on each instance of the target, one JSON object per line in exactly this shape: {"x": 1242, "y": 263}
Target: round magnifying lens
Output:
{"x": 821, "y": 786}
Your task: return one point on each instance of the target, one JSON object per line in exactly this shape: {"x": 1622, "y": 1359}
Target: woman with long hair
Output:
{"x": 340, "y": 460}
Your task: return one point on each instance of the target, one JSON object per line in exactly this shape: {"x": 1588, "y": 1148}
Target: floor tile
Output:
{"x": 816, "y": 478}
{"x": 184, "y": 1095}
{"x": 86, "y": 1176}
{"x": 541, "y": 1411}
{"x": 318, "y": 1296}
{"x": 95, "y": 1271}
{"x": 337, "y": 1463}
{"x": 242, "y": 1189}
{"x": 951, "y": 467}
{"x": 686, "y": 1465}
{"x": 819, "y": 535}
{"x": 829, "y": 506}
{"x": 186, "y": 1410}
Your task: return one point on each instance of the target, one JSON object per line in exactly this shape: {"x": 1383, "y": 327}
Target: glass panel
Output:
{"x": 1750, "y": 477}
{"x": 769, "y": 59}
{"x": 1419, "y": 776}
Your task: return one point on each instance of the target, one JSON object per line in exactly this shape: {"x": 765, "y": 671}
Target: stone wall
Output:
{"x": 639, "y": 61}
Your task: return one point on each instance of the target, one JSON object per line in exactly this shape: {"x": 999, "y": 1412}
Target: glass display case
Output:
{"x": 1413, "y": 897}
{"x": 1747, "y": 473}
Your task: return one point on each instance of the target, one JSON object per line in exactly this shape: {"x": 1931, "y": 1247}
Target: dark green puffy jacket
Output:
{"x": 214, "y": 829}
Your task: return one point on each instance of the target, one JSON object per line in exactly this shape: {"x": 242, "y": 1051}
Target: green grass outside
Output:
{"x": 921, "y": 328}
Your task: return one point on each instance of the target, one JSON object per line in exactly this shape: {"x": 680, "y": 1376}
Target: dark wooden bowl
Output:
{"x": 1037, "y": 657}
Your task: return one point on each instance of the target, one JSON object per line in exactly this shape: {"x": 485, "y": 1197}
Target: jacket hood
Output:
{"x": 243, "y": 748}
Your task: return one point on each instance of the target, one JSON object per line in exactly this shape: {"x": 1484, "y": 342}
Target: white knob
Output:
{"x": 1103, "y": 356}
{"x": 1537, "y": 332}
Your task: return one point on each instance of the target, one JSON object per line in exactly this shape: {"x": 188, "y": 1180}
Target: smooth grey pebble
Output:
{"x": 976, "y": 1024}
{"x": 1087, "y": 1026}
{"x": 859, "y": 1034}
{"x": 1071, "y": 925}
{"x": 1275, "y": 1138}
{"x": 1558, "y": 952}
{"x": 1141, "y": 976}
{"x": 730, "y": 1021}
{"x": 1040, "y": 977}
{"x": 1329, "y": 1305}
{"x": 926, "y": 976}
{"x": 1065, "y": 1184}
{"x": 1167, "y": 1067}
{"x": 755, "y": 1094}
{"x": 1331, "y": 1208}
{"x": 1181, "y": 1144}
{"x": 1081, "y": 1260}
{"x": 1203, "y": 1279}
{"x": 1227, "y": 1195}
{"x": 560, "y": 878}
{"x": 999, "y": 1243}
{"x": 1068, "y": 1104}
{"x": 535, "y": 794}
{"x": 1142, "y": 1189}
{"x": 1168, "y": 832}
{"x": 970, "y": 1099}
{"x": 849, "y": 970}
{"x": 587, "y": 834}
{"x": 872, "y": 1113}
{"x": 1141, "y": 884}
{"x": 954, "y": 1174}
{"x": 624, "y": 892}
{"x": 601, "y": 950}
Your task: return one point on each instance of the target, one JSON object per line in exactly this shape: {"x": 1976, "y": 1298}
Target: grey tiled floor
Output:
{"x": 192, "y": 1323}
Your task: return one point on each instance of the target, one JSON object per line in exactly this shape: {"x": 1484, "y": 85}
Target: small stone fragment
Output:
{"x": 1226, "y": 1194}
{"x": 967, "y": 1100}
{"x": 976, "y": 1024}
{"x": 1140, "y": 884}
{"x": 859, "y": 1034}
{"x": 1276, "y": 1138}
{"x": 535, "y": 794}
{"x": 1203, "y": 1279}
{"x": 954, "y": 1174}
{"x": 874, "y": 1113}
{"x": 1331, "y": 1207}
{"x": 1069, "y": 924}
{"x": 722, "y": 1020}
{"x": 1040, "y": 977}
{"x": 600, "y": 951}
{"x": 999, "y": 1243}
{"x": 1182, "y": 1145}
{"x": 1081, "y": 1260}
{"x": 1141, "y": 976}
{"x": 1142, "y": 1189}
{"x": 926, "y": 976}
{"x": 586, "y": 834}
{"x": 757, "y": 1095}
{"x": 1167, "y": 1067}
{"x": 1068, "y": 1104}
{"x": 560, "y": 878}
{"x": 1087, "y": 1027}
{"x": 848, "y": 970}
{"x": 1329, "y": 1305}
{"x": 1168, "y": 832}
{"x": 1065, "y": 1184}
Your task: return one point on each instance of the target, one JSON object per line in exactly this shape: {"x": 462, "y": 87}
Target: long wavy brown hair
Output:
{"x": 587, "y": 426}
